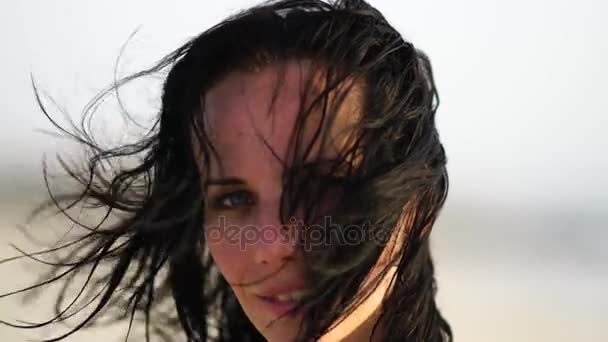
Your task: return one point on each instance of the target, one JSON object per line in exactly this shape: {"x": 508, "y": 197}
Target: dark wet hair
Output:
{"x": 156, "y": 251}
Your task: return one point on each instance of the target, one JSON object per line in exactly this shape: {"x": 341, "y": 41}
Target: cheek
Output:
{"x": 231, "y": 260}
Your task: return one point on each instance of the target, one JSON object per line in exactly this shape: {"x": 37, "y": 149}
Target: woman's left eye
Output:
{"x": 234, "y": 200}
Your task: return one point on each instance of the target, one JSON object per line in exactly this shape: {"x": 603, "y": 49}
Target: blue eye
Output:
{"x": 234, "y": 200}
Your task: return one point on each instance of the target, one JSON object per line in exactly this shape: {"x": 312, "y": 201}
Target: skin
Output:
{"x": 248, "y": 188}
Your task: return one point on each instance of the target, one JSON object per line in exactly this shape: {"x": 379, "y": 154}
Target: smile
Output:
{"x": 284, "y": 303}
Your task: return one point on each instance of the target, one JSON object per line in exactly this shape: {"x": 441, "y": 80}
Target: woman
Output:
{"x": 286, "y": 192}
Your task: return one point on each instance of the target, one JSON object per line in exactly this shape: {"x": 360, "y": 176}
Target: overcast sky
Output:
{"x": 522, "y": 83}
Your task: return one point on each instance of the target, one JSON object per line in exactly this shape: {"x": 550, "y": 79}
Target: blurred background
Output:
{"x": 520, "y": 245}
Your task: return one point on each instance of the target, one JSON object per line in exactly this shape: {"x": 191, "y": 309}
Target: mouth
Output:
{"x": 287, "y": 303}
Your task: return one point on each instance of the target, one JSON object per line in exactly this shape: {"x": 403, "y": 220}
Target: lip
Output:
{"x": 279, "y": 308}
{"x": 276, "y": 291}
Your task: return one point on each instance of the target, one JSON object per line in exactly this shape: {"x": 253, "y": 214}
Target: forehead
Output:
{"x": 251, "y": 115}
{"x": 247, "y": 106}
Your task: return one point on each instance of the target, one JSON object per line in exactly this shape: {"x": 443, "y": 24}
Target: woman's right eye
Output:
{"x": 234, "y": 200}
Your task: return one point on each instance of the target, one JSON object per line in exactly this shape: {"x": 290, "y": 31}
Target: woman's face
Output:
{"x": 243, "y": 232}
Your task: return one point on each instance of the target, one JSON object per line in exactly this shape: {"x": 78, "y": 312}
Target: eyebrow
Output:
{"x": 225, "y": 181}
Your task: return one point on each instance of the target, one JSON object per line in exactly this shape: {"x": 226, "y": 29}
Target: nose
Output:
{"x": 275, "y": 244}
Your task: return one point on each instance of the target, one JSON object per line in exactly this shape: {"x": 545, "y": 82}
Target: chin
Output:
{"x": 284, "y": 329}
{"x": 280, "y": 335}
{"x": 265, "y": 318}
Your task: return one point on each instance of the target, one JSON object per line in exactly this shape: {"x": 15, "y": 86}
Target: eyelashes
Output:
{"x": 243, "y": 199}
{"x": 240, "y": 199}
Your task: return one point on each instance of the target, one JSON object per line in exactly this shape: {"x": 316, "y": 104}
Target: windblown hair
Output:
{"x": 156, "y": 249}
